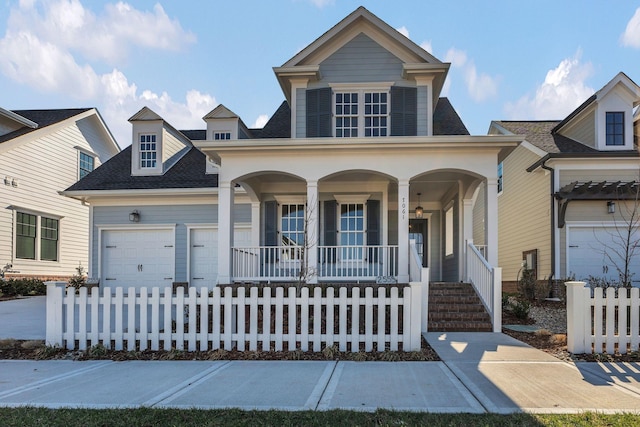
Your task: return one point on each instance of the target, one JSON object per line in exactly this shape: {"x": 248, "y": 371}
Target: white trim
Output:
{"x": 35, "y": 212}
{"x": 351, "y": 198}
{"x": 291, "y": 199}
{"x": 37, "y": 239}
{"x": 18, "y": 118}
{"x": 345, "y": 87}
{"x": 134, "y": 227}
{"x": 535, "y": 150}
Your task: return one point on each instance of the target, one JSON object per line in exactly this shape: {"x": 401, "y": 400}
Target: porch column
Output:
{"x": 312, "y": 232}
{"x": 491, "y": 222}
{"x": 467, "y": 233}
{"x": 403, "y": 231}
{"x": 255, "y": 224}
{"x": 225, "y": 231}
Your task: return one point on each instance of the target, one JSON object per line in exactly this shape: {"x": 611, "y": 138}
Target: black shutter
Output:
{"x": 319, "y": 112}
{"x": 404, "y": 111}
{"x": 331, "y": 227}
{"x": 373, "y": 228}
{"x": 270, "y": 227}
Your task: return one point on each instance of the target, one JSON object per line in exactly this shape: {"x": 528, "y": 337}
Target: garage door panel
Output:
{"x": 597, "y": 251}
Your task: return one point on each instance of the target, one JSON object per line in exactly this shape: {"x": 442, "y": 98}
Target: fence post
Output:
{"x": 416, "y": 318}
{"x": 575, "y": 317}
{"x": 54, "y": 315}
{"x": 497, "y": 299}
{"x": 425, "y": 299}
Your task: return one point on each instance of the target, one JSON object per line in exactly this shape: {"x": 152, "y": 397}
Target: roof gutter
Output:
{"x": 598, "y": 155}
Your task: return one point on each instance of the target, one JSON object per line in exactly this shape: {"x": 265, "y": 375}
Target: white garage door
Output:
{"x": 588, "y": 249}
{"x": 137, "y": 258}
{"x": 204, "y": 254}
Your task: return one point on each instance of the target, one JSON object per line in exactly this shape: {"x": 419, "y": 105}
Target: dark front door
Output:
{"x": 418, "y": 232}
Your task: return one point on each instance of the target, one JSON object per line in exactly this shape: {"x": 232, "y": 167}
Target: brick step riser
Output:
{"x": 455, "y": 308}
{"x": 454, "y": 300}
{"x": 458, "y": 327}
{"x": 479, "y": 317}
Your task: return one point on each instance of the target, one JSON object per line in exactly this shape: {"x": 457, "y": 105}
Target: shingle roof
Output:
{"x": 115, "y": 174}
{"x": 278, "y": 126}
{"x": 195, "y": 134}
{"x": 446, "y": 120}
{"x": 539, "y": 133}
{"x": 43, "y": 118}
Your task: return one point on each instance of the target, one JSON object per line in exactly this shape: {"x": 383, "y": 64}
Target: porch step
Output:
{"x": 455, "y": 307}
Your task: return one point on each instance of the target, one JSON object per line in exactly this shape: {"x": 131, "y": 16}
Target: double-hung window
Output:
{"x": 37, "y": 237}
{"x": 148, "y": 151}
{"x": 615, "y": 128}
{"x": 352, "y": 232}
{"x": 360, "y": 113}
{"x": 292, "y": 230}
{"x": 86, "y": 165}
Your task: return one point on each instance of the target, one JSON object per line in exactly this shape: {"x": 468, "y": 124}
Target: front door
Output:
{"x": 418, "y": 232}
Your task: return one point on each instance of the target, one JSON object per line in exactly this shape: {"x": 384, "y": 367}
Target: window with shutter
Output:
{"x": 404, "y": 111}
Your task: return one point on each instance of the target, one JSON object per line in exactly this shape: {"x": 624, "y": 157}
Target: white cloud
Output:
{"x": 563, "y": 90}
{"x": 403, "y": 30}
{"x": 322, "y": 3}
{"x": 631, "y": 35}
{"x": 480, "y": 86}
{"x": 45, "y": 40}
{"x": 426, "y": 45}
{"x": 107, "y": 36}
{"x": 260, "y": 121}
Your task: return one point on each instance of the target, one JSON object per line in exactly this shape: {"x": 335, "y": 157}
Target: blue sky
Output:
{"x": 510, "y": 59}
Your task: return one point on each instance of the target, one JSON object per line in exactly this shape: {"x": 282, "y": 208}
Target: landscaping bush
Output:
{"x": 22, "y": 287}
{"x": 520, "y": 308}
{"x": 79, "y": 279}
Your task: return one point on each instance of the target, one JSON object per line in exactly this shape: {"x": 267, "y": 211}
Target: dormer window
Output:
{"x": 615, "y": 128}
{"x": 220, "y": 136}
{"x": 148, "y": 151}
{"x": 86, "y": 165}
{"x": 362, "y": 113}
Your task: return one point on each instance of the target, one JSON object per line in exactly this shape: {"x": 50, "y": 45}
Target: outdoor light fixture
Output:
{"x": 134, "y": 216}
{"x": 419, "y": 210}
{"x": 611, "y": 207}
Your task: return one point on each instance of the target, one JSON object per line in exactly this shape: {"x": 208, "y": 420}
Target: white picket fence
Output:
{"x": 265, "y": 319}
{"x": 604, "y": 321}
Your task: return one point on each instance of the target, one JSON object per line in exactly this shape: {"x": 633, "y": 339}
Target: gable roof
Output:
{"x": 115, "y": 174}
{"x": 541, "y": 135}
{"x": 278, "y": 126}
{"x": 42, "y": 118}
{"x": 446, "y": 120}
{"x": 17, "y": 118}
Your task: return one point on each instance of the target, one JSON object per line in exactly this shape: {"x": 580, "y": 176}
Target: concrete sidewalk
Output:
{"x": 24, "y": 318}
{"x": 480, "y": 373}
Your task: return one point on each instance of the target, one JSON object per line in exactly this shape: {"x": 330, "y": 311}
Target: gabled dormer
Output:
{"x": 10, "y": 122}
{"x": 156, "y": 145}
{"x": 224, "y": 124}
{"x": 605, "y": 121}
{"x": 362, "y": 78}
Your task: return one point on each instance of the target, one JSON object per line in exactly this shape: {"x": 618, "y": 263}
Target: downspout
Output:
{"x": 553, "y": 220}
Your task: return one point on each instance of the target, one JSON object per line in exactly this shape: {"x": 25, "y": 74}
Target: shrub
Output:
{"x": 520, "y": 308}
{"x": 79, "y": 279}
{"x": 527, "y": 283}
{"x": 22, "y": 287}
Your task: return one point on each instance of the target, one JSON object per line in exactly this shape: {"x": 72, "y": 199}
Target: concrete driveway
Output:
{"x": 24, "y": 318}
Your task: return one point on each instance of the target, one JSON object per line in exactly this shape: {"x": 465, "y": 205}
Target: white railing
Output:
{"x": 604, "y": 321}
{"x": 487, "y": 281}
{"x": 357, "y": 262}
{"x": 482, "y": 249}
{"x": 284, "y": 263}
{"x": 265, "y": 319}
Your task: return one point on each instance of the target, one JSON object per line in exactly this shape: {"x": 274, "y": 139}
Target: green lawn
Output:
{"x": 174, "y": 417}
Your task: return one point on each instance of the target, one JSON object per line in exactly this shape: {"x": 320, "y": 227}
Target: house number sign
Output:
{"x": 404, "y": 207}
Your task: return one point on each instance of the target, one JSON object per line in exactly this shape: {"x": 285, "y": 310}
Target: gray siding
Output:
{"x": 361, "y": 60}
{"x": 173, "y": 214}
{"x": 301, "y": 113}
{"x": 423, "y": 124}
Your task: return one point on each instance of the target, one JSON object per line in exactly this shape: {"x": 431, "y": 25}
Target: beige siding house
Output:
{"x": 567, "y": 190}
{"x": 42, "y": 152}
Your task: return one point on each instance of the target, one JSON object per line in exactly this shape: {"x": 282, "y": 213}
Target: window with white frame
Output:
{"x": 448, "y": 231}
{"x": 37, "y": 237}
{"x": 361, "y": 113}
{"x": 615, "y": 128}
{"x": 292, "y": 230}
{"x": 86, "y": 164}
{"x": 352, "y": 232}
{"x": 500, "y": 178}
{"x": 148, "y": 150}
{"x": 220, "y": 136}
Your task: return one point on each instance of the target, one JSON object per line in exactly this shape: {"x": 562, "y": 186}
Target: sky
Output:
{"x": 510, "y": 60}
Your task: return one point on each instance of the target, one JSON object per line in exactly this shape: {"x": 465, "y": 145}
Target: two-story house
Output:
{"x": 567, "y": 193}
{"x": 42, "y": 152}
{"x": 361, "y": 157}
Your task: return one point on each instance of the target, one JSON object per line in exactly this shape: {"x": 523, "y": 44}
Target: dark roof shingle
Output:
{"x": 446, "y": 120}
{"x": 43, "y": 118}
{"x": 539, "y": 133}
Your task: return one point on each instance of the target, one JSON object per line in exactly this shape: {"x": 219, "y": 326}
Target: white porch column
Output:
{"x": 403, "y": 231}
{"x": 255, "y": 224}
{"x": 225, "y": 231}
{"x": 467, "y": 234}
{"x": 312, "y": 231}
{"x": 491, "y": 222}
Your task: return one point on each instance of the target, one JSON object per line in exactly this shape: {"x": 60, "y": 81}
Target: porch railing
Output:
{"x": 286, "y": 263}
{"x": 487, "y": 282}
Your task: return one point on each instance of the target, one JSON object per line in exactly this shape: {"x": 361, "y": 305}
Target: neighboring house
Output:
{"x": 362, "y": 156}
{"x": 42, "y": 152}
{"x": 566, "y": 190}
